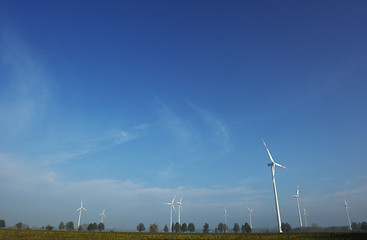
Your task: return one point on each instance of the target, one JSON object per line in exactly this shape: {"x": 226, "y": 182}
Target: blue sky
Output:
{"x": 124, "y": 104}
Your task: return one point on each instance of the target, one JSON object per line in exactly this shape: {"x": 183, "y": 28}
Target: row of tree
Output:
{"x": 176, "y": 227}
{"x": 245, "y": 228}
{"x": 69, "y": 226}
{"x": 359, "y": 226}
{"x": 221, "y": 228}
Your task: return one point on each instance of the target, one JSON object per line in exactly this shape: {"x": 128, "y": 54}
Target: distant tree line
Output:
{"x": 223, "y": 228}
{"x": 359, "y": 226}
{"x": 175, "y": 228}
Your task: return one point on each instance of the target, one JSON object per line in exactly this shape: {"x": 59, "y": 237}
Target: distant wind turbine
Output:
{"x": 299, "y": 211}
{"x": 102, "y": 215}
{"x": 305, "y": 214}
{"x": 346, "y": 209}
{"x": 250, "y": 211}
{"x": 272, "y": 165}
{"x": 80, "y": 212}
{"x": 179, "y": 211}
{"x": 172, "y": 206}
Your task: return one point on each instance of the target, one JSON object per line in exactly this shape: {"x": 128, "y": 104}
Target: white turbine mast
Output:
{"x": 299, "y": 211}
{"x": 250, "y": 212}
{"x": 102, "y": 215}
{"x": 272, "y": 165}
{"x": 346, "y": 209}
{"x": 305, "y": 214}
{"x": 225, "y": 220}
{"x": 80, "y": 212}
{"x": 172, "y": 206}
{"x": 179, "y": 211}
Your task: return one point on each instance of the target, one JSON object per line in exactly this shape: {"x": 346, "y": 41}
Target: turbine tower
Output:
{"x": 346, "y": 209}
{"x": 299, "y": 212}
{"x": 272, "y": 165}
{"x": 305, "y": 214}
{"x": 102, "y": 215}
{"x": 250, "y": 211}
{"x": 225, "y": 220}
{"x": 80, "y": 212}
{"x": 172, "y": 206}
{"x": 179, "y": 211}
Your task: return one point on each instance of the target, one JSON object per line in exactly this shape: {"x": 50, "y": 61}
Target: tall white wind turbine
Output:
{"x": 272, "y": 165}
{"x": 299, "y": 211}
{"x": 346, "y": 209}
{"x": 179, "y": 211}
{"x": 305, "y": 214}
{"x": 102, "y": 215}
{"x": 172, "y": 206}
{"x": 250, "y": 211}
{"x": 80, "y": 212}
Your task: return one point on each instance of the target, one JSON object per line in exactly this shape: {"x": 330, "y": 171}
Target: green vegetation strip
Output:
{"x": 9, "y": 234}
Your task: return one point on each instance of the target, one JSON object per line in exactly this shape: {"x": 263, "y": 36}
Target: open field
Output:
{"x": 8, "y": 234}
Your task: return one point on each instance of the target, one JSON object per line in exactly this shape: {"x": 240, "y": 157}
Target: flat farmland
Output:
{"x": 9, "y": 234}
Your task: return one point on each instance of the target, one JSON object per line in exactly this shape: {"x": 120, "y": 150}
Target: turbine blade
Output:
{"x": 271, "y": 158}
{"x": 174, "y": 208}
{"x": 297, "y": 190}
{"x": 173, "y": 200}
{"x": 279, "y": 165}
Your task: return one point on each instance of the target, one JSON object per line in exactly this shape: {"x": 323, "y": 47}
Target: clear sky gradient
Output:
{"x": 124, "y": 104}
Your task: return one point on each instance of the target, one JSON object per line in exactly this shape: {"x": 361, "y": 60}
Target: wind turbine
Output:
{"x": 102, "y": 215}
{"x": 80, "y": 212}
{"x": 250, "y": 211}
{"x": 299, "y": 212}
{"x": 305, "y": 213}
{"x": 346, "y": 209}
{"x": 225, "y": 220}
{"x": 272, "y": 165}
{"x": 172, "y": 206}
{"x": 179, "y": 212}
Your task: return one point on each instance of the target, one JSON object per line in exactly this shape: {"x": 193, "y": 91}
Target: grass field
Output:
{"x": 9, "y": 234}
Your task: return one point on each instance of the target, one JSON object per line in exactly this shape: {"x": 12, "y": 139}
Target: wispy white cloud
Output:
{"x": 186, "y": 129}
{"x": 142, "y": 126}
{"x": 181, "y": 129}
{"x": 128, "y": 202}
{"x": 25, "y": 90}
{"x": 102, "y": 142}
{"x": 219, "y": 130}
{"x": 166, "y": 173}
